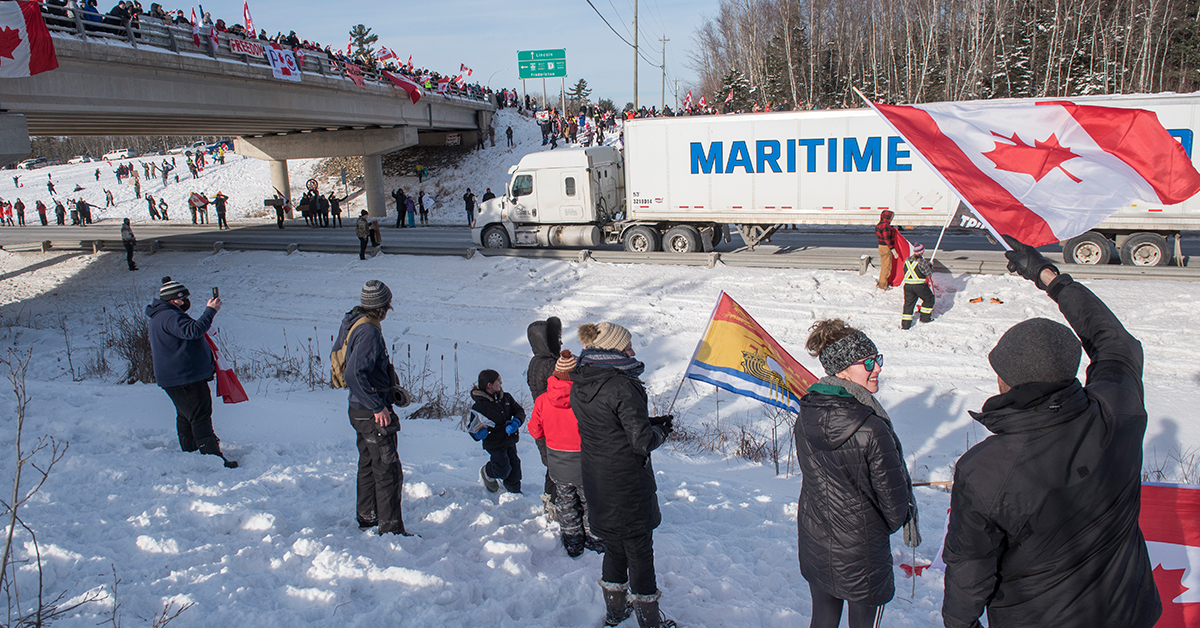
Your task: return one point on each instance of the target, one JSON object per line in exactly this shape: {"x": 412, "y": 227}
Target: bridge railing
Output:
{"x": 64, "y": 18}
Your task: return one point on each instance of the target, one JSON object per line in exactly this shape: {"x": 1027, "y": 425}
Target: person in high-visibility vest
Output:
{"x": 917, "y": 273}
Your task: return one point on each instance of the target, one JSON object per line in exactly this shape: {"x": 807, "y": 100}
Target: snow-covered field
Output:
{"x": 274, "y": 543}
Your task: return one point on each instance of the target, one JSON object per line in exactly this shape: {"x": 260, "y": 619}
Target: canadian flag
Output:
{"x": 1170, "y": 522}
{"x": 464, "y": 68}
{"x": 442, "y": 83}
{"x": 25, "y": 45}
{"x": 687, "y": 100}
{"x": 386, "y": 53}
{"x": 404, "y": 83}
{"x": 1047, "y": 171}
{"x": 703, "y": 103}
{"x": 410, "y": 63}
{"x": 195, "y": 29}
{"x": 249, "y": 21}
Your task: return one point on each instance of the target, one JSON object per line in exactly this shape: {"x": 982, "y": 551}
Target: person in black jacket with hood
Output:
{"x": 616, "y": 436}
{"x": 856, "y": 490}
{"x": 497, "y": 421}
{"x": 545, "y": 338}
{"x": 183, "y": 365}
{"x": 369, "y": 378}
{"x": 1044, "y": 513}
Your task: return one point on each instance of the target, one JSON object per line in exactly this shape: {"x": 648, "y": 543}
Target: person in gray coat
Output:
{"x": 856, "y": 489}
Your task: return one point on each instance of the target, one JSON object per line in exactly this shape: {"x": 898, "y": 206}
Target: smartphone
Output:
{"x": 216, "y": 293}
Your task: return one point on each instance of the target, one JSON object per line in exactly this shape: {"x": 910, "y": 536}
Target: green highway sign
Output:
{"x": 533, "y": 64}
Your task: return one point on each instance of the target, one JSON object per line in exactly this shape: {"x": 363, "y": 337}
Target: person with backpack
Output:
{"x": 360, "y": 363}
{"x": 495, "y": 419}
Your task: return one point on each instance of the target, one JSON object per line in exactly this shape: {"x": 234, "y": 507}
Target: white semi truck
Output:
{"x": 683, "y": 182}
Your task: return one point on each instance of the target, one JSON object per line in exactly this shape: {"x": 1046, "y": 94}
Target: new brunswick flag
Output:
{"x": 737, "y": 354}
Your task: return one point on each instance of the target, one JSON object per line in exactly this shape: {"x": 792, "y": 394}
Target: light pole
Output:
{"x": 489, "y": 83}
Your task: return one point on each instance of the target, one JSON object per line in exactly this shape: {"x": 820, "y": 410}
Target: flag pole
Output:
{"x": 677, "y": 389}
{"x": 949, "y": 217}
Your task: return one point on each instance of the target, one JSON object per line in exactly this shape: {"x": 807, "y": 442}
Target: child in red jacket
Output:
{"x": 554, "y": 420}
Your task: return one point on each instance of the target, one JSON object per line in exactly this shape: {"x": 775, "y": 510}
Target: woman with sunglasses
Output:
{"x": 856, "y": 489}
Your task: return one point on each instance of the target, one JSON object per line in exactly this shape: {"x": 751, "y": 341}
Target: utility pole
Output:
{"x": 664, "y": 41}
{"x": 635, "y": 57}
{"x": 676, "y": 94}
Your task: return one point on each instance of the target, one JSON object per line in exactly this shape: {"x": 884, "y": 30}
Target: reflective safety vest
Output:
{"x": 910, "y": 272}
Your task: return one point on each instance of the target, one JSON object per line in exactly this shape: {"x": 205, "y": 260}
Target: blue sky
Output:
{"x": 486, "y": 35}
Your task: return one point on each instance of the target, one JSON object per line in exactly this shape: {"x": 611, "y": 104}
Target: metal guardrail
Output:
{"x": 66, "y": 19}
{"x": 852, "y": 260}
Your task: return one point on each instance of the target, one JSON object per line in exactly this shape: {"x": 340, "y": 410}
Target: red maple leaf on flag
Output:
{"x": 1169, "y": 583}
{"x": 10, "y": 38}
{"x": 1036, "y": 161}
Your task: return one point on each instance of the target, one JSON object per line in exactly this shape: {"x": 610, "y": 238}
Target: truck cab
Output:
{"x": 555, "y": 198}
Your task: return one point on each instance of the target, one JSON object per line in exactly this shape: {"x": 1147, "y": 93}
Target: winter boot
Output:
{"x": 646, "y": 609}
{"x": 491, "y": 485}
{"x": 906, "y": 324}
{"x": 574, "y": 543}
{"x": 596, "y": 544}
{"x": 616, "y": 603}
{"x": 212, "y": 447}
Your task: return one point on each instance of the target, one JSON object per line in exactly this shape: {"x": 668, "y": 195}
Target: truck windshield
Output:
{"x": 522, "y": 185}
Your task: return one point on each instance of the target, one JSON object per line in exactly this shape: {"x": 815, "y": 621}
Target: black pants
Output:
{"x": 506, "y": 467}
{"x": 129, "y": 254}
{"x": 337, "y": 219}
{"x": 193, "y": 417}
{"x": 380, "y": 476}
{"x": 631, "y": 560}
{"x": 912, "y": 292}
{"x": 279, "y": 217}
{"x": 827, "y": 611}
{"x": 362, "y": 248}
{"x": 221, "y": 221}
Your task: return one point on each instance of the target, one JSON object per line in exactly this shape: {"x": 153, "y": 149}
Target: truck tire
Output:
{"x": 641, "y": 239}
{"x": 682, "y": 239}
{"x": 1090, "y": 248}
{"x": 495, "y": 237}
{"x": 1146, "y": 249}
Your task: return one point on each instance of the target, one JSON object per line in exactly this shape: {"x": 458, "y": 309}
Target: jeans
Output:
{"x": 506, "y": 467}
{"x": 631, "y": 560}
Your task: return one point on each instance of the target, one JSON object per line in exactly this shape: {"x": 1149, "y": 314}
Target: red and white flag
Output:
{"x": 349, "y": 43}
{"x": 463, "y": 68}
{"x": 249, "y": 21}
{"x": 25, "y": 45}
{"x": 283, "y": 63}
{"x": 729, "y": 98}
{"x": 703, "y": 103}
{"x": 214, "y": 40}
{"x": 442, "y": 83}
{"x": 1047, "y": 171}
{"x": 410, "y": 63}
{"x": 404, "y": 83}
{"x": 1170, "y": 522}
{"x": 386, "y": 53}
{"x": 355, "y": 74}
{"x": 195, "y": 29}
{"x": 687, "y": 100}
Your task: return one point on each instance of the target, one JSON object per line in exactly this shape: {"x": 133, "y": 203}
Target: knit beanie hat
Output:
{"x": 605, "y": 336}
{"x": 172, "y": 290}
{"x": 565, "y": 364}
{"x": 917, "y": 248}
{"x": 1036, "y": 350}
{"x": 375, "y": 295}
{"x": 837, "y": 356}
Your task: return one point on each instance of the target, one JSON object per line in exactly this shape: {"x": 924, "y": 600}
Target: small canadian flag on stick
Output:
{"x": 25, "y": 45}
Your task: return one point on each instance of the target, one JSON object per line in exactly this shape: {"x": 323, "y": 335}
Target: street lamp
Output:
{"x": 489, "y": 82}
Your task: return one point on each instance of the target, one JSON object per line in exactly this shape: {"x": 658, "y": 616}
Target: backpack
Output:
{"x": 337, "y": 358}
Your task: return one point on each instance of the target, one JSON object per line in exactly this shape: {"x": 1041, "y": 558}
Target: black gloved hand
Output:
{"x": 1027, "y": 261}
{"x": 666, "y": 422}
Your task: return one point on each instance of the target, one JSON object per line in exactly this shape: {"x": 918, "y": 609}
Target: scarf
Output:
{"x": 862, "y": 395}
{"x": 613, "y": 359}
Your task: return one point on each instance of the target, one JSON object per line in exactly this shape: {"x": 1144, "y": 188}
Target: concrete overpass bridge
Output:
{"x": 150, "y": 78}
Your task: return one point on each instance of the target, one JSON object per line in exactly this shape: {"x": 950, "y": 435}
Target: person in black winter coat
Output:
{"x": 1044, "y": 513}
{"x": 369, "y": 378}
{"x": 184, "y": 364}
{"x": 617, "y": 435}
{"x": 856, "y": 489}
{"x": 545, "y": 338}
{"x": 399, "y": 197}
{"x": 497, "y": 420}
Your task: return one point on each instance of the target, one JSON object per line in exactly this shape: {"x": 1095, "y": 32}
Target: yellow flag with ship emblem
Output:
{"x": 737, "y": 354}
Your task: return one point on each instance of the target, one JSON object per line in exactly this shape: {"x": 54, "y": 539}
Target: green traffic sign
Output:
{"x": 557, "y": 54}
{"x": 541, "y": 69}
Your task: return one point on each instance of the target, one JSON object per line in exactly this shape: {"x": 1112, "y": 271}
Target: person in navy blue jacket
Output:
{"x": 183, "y": 365}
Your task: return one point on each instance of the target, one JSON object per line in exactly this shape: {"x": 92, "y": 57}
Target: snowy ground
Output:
{"x": 274, "y": 543}
{"x": 248, "y": 181}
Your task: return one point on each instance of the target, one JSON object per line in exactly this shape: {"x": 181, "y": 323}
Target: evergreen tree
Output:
{"x": 577, "y": 96}
{"x": 605, "y": 104}
{"x": 734, "y": 81}
{"x": 362, "y": 39}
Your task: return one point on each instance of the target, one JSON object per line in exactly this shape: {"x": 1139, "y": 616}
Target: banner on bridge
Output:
{"x": 244, "y": 47}
{"x": 283, "y": 63}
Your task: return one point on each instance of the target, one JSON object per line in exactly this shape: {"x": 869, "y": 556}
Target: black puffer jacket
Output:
{"x": 499, "y": 408}
{"x": 545, "y": 338}
{"x": 856, "y": 493}
{"x": 1044, "y": 514}
{"x": 616, "y": 439}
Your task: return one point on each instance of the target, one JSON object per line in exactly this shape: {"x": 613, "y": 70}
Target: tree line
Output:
{"x": 811, "y": 53}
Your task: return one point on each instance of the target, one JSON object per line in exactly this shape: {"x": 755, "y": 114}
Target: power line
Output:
{"x": 610, "y": 27}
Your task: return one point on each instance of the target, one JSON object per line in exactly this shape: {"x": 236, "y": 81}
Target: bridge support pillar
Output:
{"x": 373, "y": 185}
{"x": 14, "y": 138}
{"x": 279, "y": 178}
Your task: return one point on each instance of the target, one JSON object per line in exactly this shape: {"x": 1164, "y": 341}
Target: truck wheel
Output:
{"x": 641, "y": 239}
{"x": 1145, "y": 249}
{"x": 682, "y": 239}
{"x": 1090, "y": 248}
{"x": 495, "y": 237}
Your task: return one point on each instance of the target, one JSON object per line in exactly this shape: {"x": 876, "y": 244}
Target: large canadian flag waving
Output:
{"x": 25, "y": 45}
{"x": 1170, "y": 522}
{"x": 1047, "y": 171}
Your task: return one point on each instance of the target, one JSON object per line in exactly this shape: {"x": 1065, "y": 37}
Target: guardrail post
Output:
{"x": 584, "y": 256}
{"x": 96, "y": 246}
{"x": 713, "y": 258}
{"x": 218, "y": 246}
{"x": 863, "y": 263}
{"x": 46, "y": 246}
{"x": 155, "y": 245}
{"x": 174, "y": 45}
{"x": 291, "y": 248}
{"x": 471, "y": 251}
